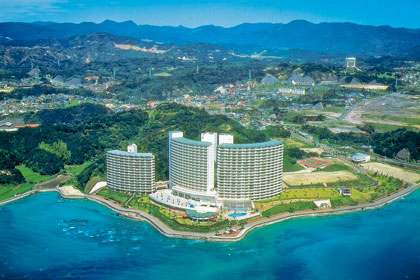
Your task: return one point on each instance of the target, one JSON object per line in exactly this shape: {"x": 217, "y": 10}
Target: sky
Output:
{"x": 193, "y": 13}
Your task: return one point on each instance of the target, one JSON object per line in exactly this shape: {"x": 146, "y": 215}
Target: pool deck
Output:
{"x": 240, "y": 233}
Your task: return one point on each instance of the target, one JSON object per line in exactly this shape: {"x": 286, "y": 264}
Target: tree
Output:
{"x": 11, "y": 177}
{"x": 44, "y": 162}
{"x": 58, "y": 148}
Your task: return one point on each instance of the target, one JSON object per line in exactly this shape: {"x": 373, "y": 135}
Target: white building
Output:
{"x": 225, "y": 139}
{"x": 297, "y": 91}
{"x": 132, "y": 148}
{"x": 131, "y": 171}
{"x": 359, "y": 157}
{"x": 350, "y": 62}
{"x": 192, "y": 167}
{"x": 211, "y": 138}
{"x": 249, "y": 171}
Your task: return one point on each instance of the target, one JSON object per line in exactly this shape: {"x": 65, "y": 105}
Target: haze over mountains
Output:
{"x": 343, "y": 38}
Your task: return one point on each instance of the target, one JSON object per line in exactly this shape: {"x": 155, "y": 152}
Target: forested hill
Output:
{"x": 345, "y": 38}
{"x": 47, "y": 148}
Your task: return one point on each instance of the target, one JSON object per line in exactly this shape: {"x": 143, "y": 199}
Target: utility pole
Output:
{"x": 150, "y": 73}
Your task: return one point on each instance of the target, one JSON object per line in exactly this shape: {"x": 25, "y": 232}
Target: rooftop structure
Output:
{"x": 132, "y": 148}
{"x": 225, "y": 139}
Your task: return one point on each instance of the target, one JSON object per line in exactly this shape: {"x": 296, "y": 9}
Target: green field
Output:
{"x": 388, "y": 185}
{"x": 403, "y": 120}
{"x": 73, "y": 103}
{"x": 31, "y": 176}
{"x": 10, "y": 191}
{"x": 76, "y": 169}
{"x": 290, "y": 167}
{"x": 119, "y": 197}
{"x": 335, "y": 167}
{"x": 334, "y": 109}
{"x": 289, "y": 207}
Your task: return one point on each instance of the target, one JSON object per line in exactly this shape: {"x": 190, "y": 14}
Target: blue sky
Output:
{"x": 405, "y": 13}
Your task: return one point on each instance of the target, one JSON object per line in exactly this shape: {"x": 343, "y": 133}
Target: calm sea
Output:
{"x": 46, "y": 237}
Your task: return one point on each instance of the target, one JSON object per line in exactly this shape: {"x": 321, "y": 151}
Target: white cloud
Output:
{"x": 29, "y": 7}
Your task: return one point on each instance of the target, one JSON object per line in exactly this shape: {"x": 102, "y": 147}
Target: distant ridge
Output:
{"x": 345, "y": 38}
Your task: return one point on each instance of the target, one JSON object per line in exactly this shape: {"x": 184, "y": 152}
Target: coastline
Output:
{"x": 211, "y": 236}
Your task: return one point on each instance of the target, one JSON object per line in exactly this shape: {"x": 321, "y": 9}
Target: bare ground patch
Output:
{"x": 318, "y": 178}
{"x": 393, "y": 171}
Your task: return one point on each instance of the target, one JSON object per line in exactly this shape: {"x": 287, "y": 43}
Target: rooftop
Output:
{"x": 252, "y": 145}
{"x": 191, "y": 142}
{"x": 124, "y": 153}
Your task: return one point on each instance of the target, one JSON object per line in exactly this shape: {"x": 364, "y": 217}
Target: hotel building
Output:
{"x": 191, "y": 166}
{"x": 131, "y": 171}
{"x": 249, "y": 171}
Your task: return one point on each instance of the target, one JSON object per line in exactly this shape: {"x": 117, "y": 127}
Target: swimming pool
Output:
{"x": 234, "y": 215}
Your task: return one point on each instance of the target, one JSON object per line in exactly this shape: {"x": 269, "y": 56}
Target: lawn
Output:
{"x": 334, "y": 109}
{"x": 313, "y": 193}
{"x": 335, "y": 167}
{"x": 289, "y": 207}
{"x": 284, "y": 202}
{"x": 290, "y": 167}
{"x": 92, "y": 182}
{"x": 10, "y": 191}
{"x": 120, "y": 197}
{"x": 76, "y": 169}
{"x": 31, "y": 176}
{"x": 73, "y": 103}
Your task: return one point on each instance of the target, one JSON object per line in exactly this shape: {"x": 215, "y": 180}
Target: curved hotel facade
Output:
{"x": 131, "y": 171}
{"x": 191, "y": 166}
{"x": 243, "y": 171}
{"x": 249, "y": 171}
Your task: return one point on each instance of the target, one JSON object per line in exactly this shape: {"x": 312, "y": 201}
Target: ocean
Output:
{"x": 47, "y": 237}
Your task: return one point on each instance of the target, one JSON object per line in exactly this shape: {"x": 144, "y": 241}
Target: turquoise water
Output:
{"x": 76, "y": 239}
{"x": 234, "y": 215}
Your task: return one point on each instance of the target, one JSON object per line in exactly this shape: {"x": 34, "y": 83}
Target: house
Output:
{"x": 359, "y": 157}
{"x": 346, "y": 192}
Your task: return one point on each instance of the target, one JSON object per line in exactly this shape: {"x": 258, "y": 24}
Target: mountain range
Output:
{"x": 340, "y": 38}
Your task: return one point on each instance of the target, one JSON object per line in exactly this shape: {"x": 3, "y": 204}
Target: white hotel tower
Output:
{"x": 191, "y": 166}
{"x": 131, "y": 171}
